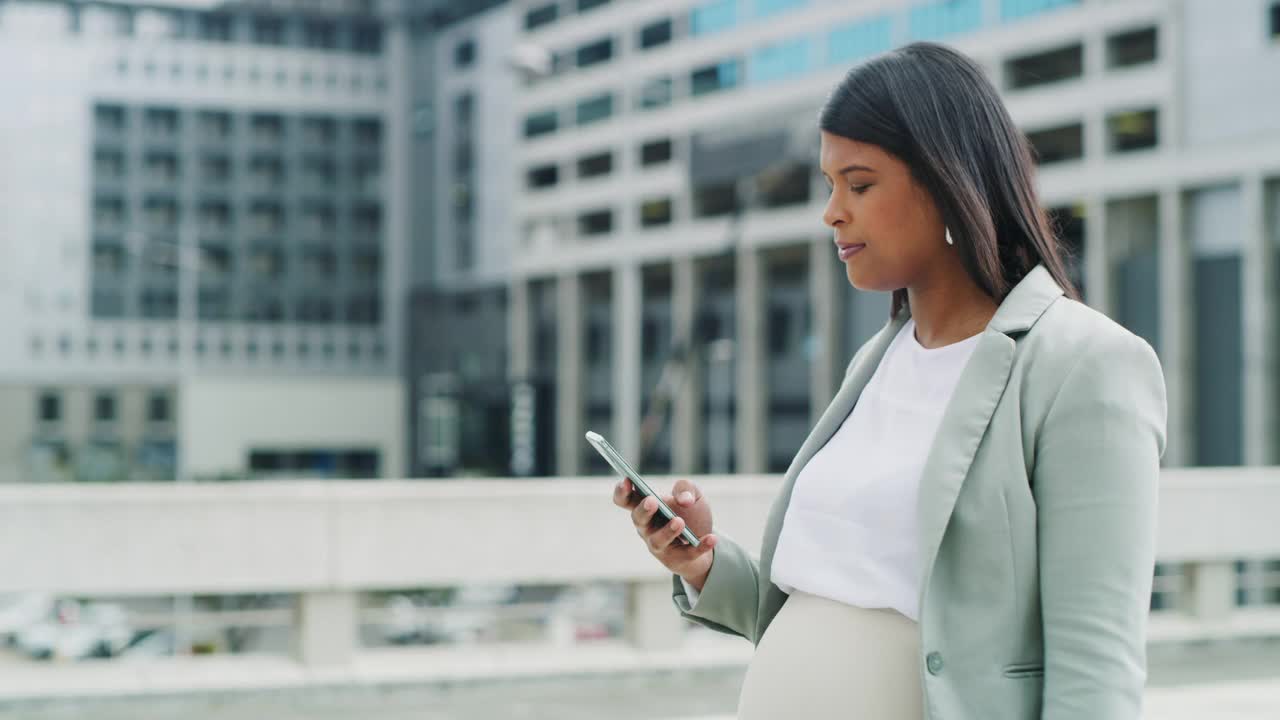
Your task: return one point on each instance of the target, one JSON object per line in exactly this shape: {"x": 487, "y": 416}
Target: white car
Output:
{"x": 78, "y": 630}
{"x": 19, "y": 611}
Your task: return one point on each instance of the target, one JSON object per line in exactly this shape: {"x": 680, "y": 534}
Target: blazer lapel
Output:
{"x": 968, "y": 413}
{"x": 963, "y": 424}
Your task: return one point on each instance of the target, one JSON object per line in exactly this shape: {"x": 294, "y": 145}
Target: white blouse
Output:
{"x": 849, "y": 532}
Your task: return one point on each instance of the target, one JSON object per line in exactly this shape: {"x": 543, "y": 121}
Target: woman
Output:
{"x": 969, "y": 531}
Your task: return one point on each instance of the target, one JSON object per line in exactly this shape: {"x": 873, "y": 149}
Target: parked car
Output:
{"x": 19, "y": 611}
{"x": 469, "y": 615}
{"x": 78, "y": 630}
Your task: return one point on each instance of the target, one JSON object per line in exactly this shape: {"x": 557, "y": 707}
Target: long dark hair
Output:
{"x": 934, "y": 109}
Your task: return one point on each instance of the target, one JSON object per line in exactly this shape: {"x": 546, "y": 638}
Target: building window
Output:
{"x": 104, "y": 407}
{"x": 596, "y": 222}
{"x": 713, "y": 17}
{"x": 214, "y": 27}
{"x": 109, "y": 118}
{"x": 780, "y": 330}
{"x": 655, "y": 152}
{"x": 540, "y": 123}
{"x": 366, "y": 38}
{"x": 715, "y": 200}
{"x": 585, "y": 5}
{"x": 1018, "y": 9}
{"x": 595, "y": 108}
{"x": 464, "y": 54}
{"x": 49, "y": 407}
{"x": 320, "y": 34}
{"x": 1045, "y": 67}
{"x": 596, "y": 165}
{"x": 655, "y": 93}
{"x": 594, "y": 53}
{"x": 655, "y": 34}
{"x": 656, "y": 212}
{"x": 268, "y": 30}
{"x": 714, "y": 78}
{"x": 1057, "y": 144}
{"x": 544, "y": 176}
{"x": 941, "y": 18}
{"x": 1275, "y": 21}
{"x": 1136, "y": 47}
{"x": 779, "y": 61}
{"x": 539, "y": 16}
{"x": 786, "y": 185}
{"x": 364, "y": 310}
{"x": 1132, "y": 130}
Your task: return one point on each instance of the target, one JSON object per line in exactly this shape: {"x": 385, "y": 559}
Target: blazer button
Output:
{"x": 934, "y": 663}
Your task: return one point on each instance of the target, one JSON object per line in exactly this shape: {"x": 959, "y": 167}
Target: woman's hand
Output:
{"x": 663, "y": 538}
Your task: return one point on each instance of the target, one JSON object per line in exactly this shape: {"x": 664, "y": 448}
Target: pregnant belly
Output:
{"x": 821, "y": 658}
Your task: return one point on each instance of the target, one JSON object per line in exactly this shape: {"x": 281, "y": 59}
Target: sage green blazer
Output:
{"x": 1037, "y": 518}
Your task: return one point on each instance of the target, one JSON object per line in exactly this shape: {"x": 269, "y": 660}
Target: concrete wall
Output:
{"x": 222, "y": 419}
{"x": 253, "y": 537}
{"x": 1229, "y": 56}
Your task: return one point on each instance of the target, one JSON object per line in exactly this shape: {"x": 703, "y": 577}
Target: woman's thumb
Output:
{"x": 686, "y": 493}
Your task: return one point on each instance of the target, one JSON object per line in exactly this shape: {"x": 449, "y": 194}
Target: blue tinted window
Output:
{"x": 778, "y": 61}
{"x": 1014, "y": 9}
{"x": 945, "y": 17}
{"x": 713, "y": 78}
{"x": 713, "y": 17}
{"x": 764, "y": 8}
{"x": 859, "y": 40}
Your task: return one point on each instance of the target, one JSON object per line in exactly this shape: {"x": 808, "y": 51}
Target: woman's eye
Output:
{"x": 859, "y": 188}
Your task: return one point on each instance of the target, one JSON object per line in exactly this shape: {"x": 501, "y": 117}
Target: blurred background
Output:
{"x": 309, "y": 303}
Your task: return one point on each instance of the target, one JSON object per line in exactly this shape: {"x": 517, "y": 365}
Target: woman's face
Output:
{"x": 875, "y": 202}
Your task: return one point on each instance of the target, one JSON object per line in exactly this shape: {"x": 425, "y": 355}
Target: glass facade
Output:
{"x": 1215, "y": 230}
{"x": 855, "y": 41}
{"x": 943, "y": 18}
{"x": 765, "y": 8}
{"x": 1017, "y": 9}
{"x": 713, "y": 17}
{"x": 779, "y": 61}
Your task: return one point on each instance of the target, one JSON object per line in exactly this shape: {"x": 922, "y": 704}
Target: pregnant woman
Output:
{"x": 968, "y": 533}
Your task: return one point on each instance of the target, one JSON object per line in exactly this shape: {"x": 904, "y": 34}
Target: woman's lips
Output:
{"x": 847, "y": 251}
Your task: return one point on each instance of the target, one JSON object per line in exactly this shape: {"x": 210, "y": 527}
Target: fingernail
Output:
{"x": 686, "y": 496}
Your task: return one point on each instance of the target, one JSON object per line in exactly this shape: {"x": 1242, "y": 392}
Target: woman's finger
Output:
{"x": 622, "y": 494}
{"x": 662, "y": 537}
{"x": 677, "y": 554}
{"x": 643, "y": 511}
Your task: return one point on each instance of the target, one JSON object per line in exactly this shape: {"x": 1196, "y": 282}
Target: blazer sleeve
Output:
{"x": 729, "y": 600}
{"x": 1095, "y": 480}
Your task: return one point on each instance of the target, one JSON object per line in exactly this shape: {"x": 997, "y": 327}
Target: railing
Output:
{"x": 331, "y": 541}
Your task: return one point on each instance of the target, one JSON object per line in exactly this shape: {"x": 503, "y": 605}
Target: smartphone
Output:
{"x": 624, "y": 470}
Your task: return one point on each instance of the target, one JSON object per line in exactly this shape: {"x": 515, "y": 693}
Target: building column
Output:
{"x": 627, "y": 310}
{"x": 1176, "y": 327}
{"x": 1097, "y": 255}
{"x": 324, "y": 628}
{"x": 650, "y": 623}
{"x": 826, "y": 290}
{"x": 688, "y": 430}
{"x": 752, "y": 392}
{"x": 569, "y": 374}
{"x": 1258, "y": 323}
{"x": 519, "y": 330}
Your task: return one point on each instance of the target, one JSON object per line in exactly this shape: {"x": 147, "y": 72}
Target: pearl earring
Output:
{"x": 949, "y": 240}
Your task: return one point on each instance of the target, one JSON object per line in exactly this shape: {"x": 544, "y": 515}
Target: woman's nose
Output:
{"x": 833, "y": 213}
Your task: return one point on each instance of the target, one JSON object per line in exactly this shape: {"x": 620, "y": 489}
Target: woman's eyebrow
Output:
{"x": 855, "y": 166}
{"x": 849, "y": 169}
